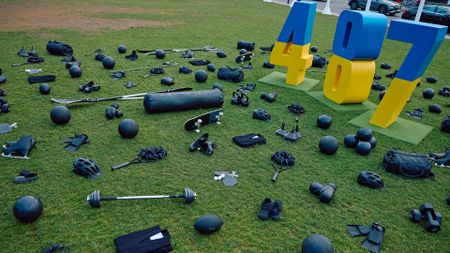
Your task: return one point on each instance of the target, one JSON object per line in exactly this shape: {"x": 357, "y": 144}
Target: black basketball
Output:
{"x": 60, "y": 115}
{"x": 28, "y": 209}
{"x": 363, "y": 148}
{"x": 328, "y": 145}
{"x": 160, "y": 54}
{"x": 44, "y": 89}
{"x": 324, "y": 121}
{"x": 128, "y": 128}
{"x": 364, "y": 134}
{"x": 350, "y": 140}
{"x": 317, "y": 243}
{"x": 122, "y": 49}
{"x": 201, "y": 76}
{"x": 428, "y": 93}
{"x": 108, "y": 62}
{"x": 208, "y": 224}
{"x": 75, "y": 71}
{"x": 211, "y": 67}
{"x": 313, "y": 49}
{"x": 373, "y": 142}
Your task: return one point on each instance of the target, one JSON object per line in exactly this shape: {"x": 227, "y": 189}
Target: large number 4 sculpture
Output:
{"x": 357, "y": 44}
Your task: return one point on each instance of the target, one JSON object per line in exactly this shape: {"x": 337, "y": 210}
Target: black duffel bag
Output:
{"x": 408, "y": 164}
{"x": 58, "y": 48}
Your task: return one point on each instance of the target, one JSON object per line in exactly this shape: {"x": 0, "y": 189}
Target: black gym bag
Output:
{"x": 408, "y": 164}
{"x": 145, "y": 241}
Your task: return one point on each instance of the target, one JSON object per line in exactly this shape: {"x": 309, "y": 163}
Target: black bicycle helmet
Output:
{"x": 86, "y": 167}
{"x": 370, "y": 179}
{"x": 283, "y": 158}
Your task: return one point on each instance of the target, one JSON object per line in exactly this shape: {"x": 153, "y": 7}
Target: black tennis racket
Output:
{"x": 146, "y": 155}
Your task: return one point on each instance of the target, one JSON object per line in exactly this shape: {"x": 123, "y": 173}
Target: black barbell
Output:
{"x": 94, "y": 198}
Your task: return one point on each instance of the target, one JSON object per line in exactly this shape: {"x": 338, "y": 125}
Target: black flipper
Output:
{"x": 374, "y": 240}
{"x": 355, "y": 230}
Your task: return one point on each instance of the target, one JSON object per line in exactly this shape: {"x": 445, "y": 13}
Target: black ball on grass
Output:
{"x": 313, "y": 49}
{"x": 328, "y": 145}
{"x": 363, "y": 148}
{"x": 160, "y": 54}
{"x": 122, "y": 49}
{"x": 350, "y": 140}
{"x": 364, "y": 134}
{"x": 60, "y": 115}
{"x": 128, "y": 128}
{"x": 373, "y": 142}
{"x": 324, "y": 121}
{"x": 28, "y": 209}
{"x": 428, "y": 93}
{"x": 317, "y": 244}
{"x": 44, "y": 89}
{"x": 75, "y": 71}
{"x": 201, "y": 76}
{"x": 211, "y": 67}
{"x": 108, "y": 62}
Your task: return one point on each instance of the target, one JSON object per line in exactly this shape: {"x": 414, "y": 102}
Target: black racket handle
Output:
{"x": 120, "y": 166}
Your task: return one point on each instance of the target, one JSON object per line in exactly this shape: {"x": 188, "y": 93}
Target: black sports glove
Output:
{"x": 75, "y": 142}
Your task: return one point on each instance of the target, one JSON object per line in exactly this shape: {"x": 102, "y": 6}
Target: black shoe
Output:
{"x": 264, "y": 212}
{"x": 443, "y": 161}
{"x": 207, "y": 147}
{"x": 276, "y": 209}
{"x": 197, "y": 144}
{"x": 25, "y": 177}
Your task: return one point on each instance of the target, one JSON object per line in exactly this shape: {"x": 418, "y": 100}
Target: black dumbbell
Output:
{"x": 426, "y": 212}
{"x": 325, "y": 193}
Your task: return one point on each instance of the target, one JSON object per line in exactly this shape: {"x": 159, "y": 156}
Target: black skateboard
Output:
{"x": 203, "y": 119}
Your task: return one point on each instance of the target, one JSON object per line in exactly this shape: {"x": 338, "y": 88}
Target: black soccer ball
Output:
{"x": 328, "y": 145}
{"x": 350, "y": 140}
{"x": 364, "y": 134}
{"x": 324, "y": 121}
{"x": 363, "y": 148}
{"x": 211, "y": 67}
{"x": 160, "y": 54}
{"x": 28, "y": 209}
{"x": 75, "y": 71}
{"x": 108, "y": 62}
{"x": 44, "y": 89}
{"x": 201, "y": 76}
{"x": 208, "y": 224}
{"x": 122, "y": 49}
{"x": 60, "y": 115}
{"x": 128, "y": 128}
{"x": 313, "y": 49}
{"x": 317, "y": 243}
{"x": 428, "y": 93}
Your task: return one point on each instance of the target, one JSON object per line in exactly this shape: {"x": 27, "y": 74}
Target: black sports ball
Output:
{"x": 385, "y": 65}
{"x": 99, "y": 56}
{"x": 44, "y": 89}
{"x": 445, "y": 125}
{"x": 75, "y": 71}
{"x": 221, "y": 54}
{"x": 211, "y": 67}
{"x": 313, "y": 49}
{"x": 328, "y": 145}
{"x": 208, "y": 224}
{"x": 350, "y": 141}
{"x": 28, "y": 209}
{"x": 434, "y": 108}
{"x": 160, "y": 54}
{"x": 432, "y": 79}
{"x": 122, "y": 49}
{"x": 373, "y": 142}
{"x": 217, "y": 86}
{"x": 363, "y": 148}
{"x": 317, "y": 243}
{"x": 60, "y": 115}
{"x": 128, "y": 128}
{"x": 108, "y": 62}
{"x": 201, "y": 76}
{"x": 428, "y": 93}
{"x": 364, "y": 134}
{"x": 324, "y": 121}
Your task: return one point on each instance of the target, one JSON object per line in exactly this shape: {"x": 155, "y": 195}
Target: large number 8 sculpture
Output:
{"x": 357, "y": 43}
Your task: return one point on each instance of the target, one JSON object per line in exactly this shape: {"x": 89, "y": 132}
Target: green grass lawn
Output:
{"x": 68, "y": 219}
